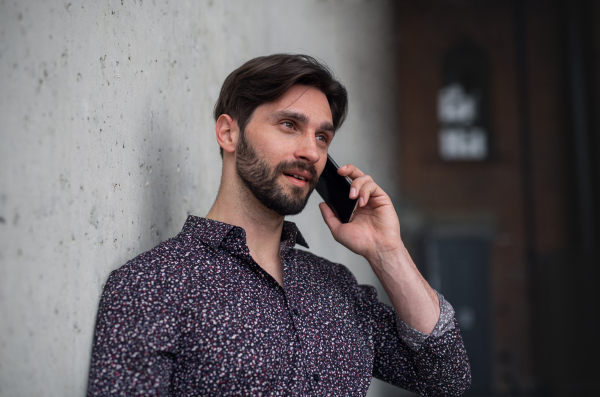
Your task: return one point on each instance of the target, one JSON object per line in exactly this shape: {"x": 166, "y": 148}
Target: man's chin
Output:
{"x": 291, "y": 210}
{"x": 301, "y": 193}
{"x": 294, "y": 202}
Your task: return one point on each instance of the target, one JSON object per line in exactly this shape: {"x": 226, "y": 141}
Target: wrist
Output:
{"x": 392, "y": 256}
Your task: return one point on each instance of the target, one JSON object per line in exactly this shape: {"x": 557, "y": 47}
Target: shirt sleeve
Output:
{"x": 415, "y": 338}
{"x": 431, "y": 365}
{"x": 136, "y": 336}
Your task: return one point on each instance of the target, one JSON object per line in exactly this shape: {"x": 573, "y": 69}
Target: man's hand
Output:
{"x": 375, "y": 234}
{"x": 375, "y": 229}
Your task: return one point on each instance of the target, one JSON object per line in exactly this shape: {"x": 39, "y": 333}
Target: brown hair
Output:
{"x": 264, "y": 79}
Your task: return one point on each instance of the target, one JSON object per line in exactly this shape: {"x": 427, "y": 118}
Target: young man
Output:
{"x": 230, "y": 307}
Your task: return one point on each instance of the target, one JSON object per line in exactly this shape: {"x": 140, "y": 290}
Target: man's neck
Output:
{"x": 235, "y": 205}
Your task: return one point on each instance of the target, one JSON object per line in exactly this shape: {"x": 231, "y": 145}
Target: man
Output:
{"x": 230, "y": 307}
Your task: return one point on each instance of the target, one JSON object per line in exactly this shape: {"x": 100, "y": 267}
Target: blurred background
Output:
{"x": 480, "y": 118}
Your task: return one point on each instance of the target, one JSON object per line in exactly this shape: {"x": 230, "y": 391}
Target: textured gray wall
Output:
{"x": 107, "y": 143}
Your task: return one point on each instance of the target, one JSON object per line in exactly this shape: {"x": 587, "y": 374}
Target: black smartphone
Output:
{"x": 335, "y": 191}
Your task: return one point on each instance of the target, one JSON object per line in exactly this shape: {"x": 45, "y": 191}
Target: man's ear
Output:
{"x": 228, "y": 133}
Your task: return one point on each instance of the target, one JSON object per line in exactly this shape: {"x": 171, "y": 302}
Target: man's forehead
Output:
{"x": 304, "y": 100}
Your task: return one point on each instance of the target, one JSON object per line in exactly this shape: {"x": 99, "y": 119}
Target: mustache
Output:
{"x": 297, "y": 165}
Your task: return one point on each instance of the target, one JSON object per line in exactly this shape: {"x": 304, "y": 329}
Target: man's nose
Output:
{"x": 307, "y": 149}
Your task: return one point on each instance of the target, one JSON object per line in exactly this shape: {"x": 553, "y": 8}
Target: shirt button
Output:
{"x": 316, "y": 377}
{"x": 295, "y": 312}
{"x": 236, "y": 233}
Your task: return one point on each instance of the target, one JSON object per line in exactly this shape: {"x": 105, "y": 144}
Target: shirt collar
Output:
{"x": 213, "y": 233}
{"x": 292, "y": 234}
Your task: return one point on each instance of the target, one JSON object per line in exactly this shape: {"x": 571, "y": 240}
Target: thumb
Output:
{"x": 330, "y": 219}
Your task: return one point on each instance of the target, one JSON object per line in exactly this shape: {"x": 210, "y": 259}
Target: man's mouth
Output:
{"x": 297, "y": 177}
{"x": 299, "y": 174}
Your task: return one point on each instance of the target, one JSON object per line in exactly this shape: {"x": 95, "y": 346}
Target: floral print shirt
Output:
{"x": 197, "y": 316}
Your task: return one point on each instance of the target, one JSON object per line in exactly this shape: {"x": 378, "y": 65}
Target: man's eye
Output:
{"x": 288, "y": 124}
{"x": 322, "y": 138}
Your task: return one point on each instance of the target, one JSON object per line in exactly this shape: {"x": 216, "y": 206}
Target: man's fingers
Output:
{"x": 350, "y": 171}
{"x": 358, "y": 184}
{"x": 363, "y": 186}
{"x": 365, "y": 193}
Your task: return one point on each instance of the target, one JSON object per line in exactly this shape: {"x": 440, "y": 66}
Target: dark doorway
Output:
{"x": 458, "y": 260}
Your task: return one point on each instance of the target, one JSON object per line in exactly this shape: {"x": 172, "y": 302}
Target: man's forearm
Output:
{"x": 415, "y": 302}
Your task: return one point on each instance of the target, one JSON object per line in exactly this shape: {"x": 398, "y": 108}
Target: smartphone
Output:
{"x": 335, "y": 191}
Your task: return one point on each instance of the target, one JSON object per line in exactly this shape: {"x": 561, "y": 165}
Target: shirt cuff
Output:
{"x": 414, "y": 339}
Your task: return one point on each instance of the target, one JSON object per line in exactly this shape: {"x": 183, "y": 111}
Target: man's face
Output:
{"x": 283, "y": 149}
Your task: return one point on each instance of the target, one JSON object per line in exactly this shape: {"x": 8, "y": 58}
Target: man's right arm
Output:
{"x": 431, "y": 365}
{"x": 136, "y": 335}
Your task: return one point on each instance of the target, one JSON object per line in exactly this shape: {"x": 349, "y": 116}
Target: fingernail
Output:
{"x": 361, "y": 202}
{"x": 352, "y": 192}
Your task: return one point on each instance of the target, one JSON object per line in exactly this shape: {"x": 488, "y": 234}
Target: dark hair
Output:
{"x": 265, "y": 79}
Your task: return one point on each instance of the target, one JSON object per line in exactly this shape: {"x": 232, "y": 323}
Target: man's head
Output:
{"x": 283, "y": 110}
{"x": 266, "y": 79}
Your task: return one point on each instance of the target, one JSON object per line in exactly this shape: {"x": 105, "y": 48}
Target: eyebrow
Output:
{"x": 302, "y": 118}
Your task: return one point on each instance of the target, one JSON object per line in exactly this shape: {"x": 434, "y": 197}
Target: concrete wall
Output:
{"x": 107, "y": 144}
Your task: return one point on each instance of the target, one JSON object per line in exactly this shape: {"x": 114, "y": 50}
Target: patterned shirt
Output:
{"x": 197, "y": 316}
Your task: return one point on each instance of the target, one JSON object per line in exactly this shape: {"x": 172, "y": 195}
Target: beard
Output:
{"x": 262, "y": 181}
